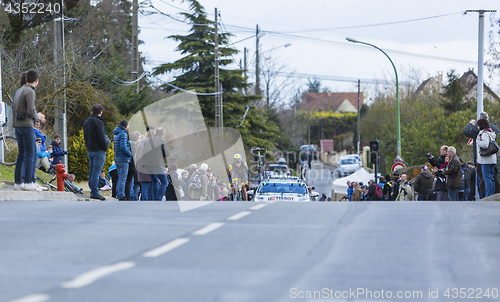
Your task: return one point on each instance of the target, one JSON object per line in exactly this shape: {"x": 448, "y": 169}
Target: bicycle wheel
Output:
{"x": 10, "y": 150}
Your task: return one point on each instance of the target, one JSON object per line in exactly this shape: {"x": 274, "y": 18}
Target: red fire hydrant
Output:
{"x": 61, "y": 176}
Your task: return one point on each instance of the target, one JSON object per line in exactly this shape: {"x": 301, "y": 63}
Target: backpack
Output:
{"x": 195, "y": 182}
{"x": 378, "y": 190}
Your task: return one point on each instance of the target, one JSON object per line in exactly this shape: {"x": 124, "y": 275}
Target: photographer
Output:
{"x": 438, "y": 162}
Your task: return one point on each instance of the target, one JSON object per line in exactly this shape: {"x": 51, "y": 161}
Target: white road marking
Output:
{"x": 33, "y": 298}
{"x": 239, "y": 215}
{"x": 208, "y": 228}
{"x": 91, "y": 276}
{"x": 259, "y": 206}
{"x": 166, "y": 247}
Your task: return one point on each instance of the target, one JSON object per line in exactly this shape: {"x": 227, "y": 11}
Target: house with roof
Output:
{"x": 468, "y": 82}
{"x": 338, "y": 102}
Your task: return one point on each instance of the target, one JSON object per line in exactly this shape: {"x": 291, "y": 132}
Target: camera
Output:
{"x": 429, "y": 154}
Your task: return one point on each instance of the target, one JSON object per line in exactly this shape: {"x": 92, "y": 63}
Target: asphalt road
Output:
{"x": 234, "y": 251}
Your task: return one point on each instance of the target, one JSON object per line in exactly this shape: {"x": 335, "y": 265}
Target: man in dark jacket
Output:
{"x": 395, "y": 185}
{"x": 438, "y": 162}
{"x": 454, "y": 175}
{"x": 96, "y": 141}
{"x": 423, "y": 183}
{"x": 471, "y": 130}
{"x": 123, "y": 156}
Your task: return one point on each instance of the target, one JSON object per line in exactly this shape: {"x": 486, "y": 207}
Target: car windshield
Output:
{"x": 279, "y": 169}
{"x": 308, "y": 148}
{"x": 348, "y": 161}
{"x": 282, "y": 188}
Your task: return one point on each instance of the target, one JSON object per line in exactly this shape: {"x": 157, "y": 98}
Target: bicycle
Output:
{"x": 68, "y": 186}
{"x": 8, "y": 148}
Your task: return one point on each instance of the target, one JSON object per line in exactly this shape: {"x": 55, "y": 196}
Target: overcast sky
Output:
{"x": 317, "y": 31}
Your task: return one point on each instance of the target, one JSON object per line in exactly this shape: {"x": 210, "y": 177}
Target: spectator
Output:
{"x": 487, "y": 162}
{"x": 323, "y": 197}
{"x": 350, "y": 190}
{"x": 42, "y": 156}
{"x": 438, "y": 162}
{"x": 174, "y": 185}
{"x": 395, "y": 185}
{"x": 57, "y": 151}
{"x": 472, "y": 181}
{"x": 104, "y": 184}
{"x": 423, "y": 183}
{"x": 309, "y": 159}
{"x": 405, "y": 191}
{"x": 440, "y": 182}
{"x": 123, "y": 156}
{"x": 113, "y": 176}
{"x": 154, "y": 153}
{"x": 387, "y": 189}
{"x": 372, "y": 191}
{"x": 195, "y": 192}
{"x": 143, "y": 176}
{"x": 454, "y": 176}
{"x": 133, "y": 186}
{"x": 303, "y": 159}
{"x": 472, "y": 131}
{"x": 97, "y": 142}
{"x": 24, "y": 114}
{"x": 71, "y": 179}
{"x": 216, "y": 195}
{"x": 364, "y": 193}
{"x": 184, "y": 181}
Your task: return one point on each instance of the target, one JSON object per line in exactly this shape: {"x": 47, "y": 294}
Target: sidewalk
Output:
{"x": 7, "y": 193}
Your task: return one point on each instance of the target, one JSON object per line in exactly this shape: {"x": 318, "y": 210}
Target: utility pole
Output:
{"x": 245, "y": 64}
{"x": 257, "y": 70}
{"x": 357, "y": 119}
{"x": 135, "y": 43}
{"x": 480, "y": 58}
{"x": 60, "y": 120}
{"x": 218, "y": 121}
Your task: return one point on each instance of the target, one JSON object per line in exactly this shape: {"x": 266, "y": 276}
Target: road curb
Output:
{"x": 39, "y": 196}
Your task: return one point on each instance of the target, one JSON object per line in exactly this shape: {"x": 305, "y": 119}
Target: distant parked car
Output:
{"x": 348, "y": 164}
{"x": 307, "y": 148}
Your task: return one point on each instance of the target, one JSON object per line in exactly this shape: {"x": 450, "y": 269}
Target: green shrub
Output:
{"x": 77, "y": 158}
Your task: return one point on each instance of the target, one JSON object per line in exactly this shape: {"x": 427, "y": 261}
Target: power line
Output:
{"x": 372, "y": 25}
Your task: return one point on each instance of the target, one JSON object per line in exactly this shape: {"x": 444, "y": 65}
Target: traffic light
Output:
{"x": 374, "y": 151}
{"x": 374, "y": 157}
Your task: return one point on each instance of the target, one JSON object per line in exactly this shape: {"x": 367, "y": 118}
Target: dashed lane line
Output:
{"x": 33, "y": 298}
{"x": 239, "y": 215}
{"x": 259, "y": 206}
{"x": 93, "y": 275}
{"x": 166, "y": 247}
{"x": 209, "y": 228}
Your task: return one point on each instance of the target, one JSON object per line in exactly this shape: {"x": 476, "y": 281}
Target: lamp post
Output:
{"x": 397, "y": 91}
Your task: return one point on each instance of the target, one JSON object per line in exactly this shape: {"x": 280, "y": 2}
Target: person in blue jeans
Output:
{"x": 123, "y": 156}
{"x": 487, "y": 162}
{"x": 96, "y": 141}
{"x": 24, "y": 114}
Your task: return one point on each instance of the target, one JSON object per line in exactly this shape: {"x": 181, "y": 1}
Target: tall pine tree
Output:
{"x": 197, "y": 69}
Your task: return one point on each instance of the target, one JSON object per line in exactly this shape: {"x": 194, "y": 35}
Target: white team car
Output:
{"x": 283, "y": 189}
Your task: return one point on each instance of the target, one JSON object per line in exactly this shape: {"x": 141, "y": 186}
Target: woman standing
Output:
{"x": 488, "y": 162}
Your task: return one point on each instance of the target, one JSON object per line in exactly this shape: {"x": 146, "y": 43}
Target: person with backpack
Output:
{"x": 405, "y": 191}
{"x": 374, "y": 191}
{"x": 198, "y": 183}
{"x": 423, "y": 183}
{"x": 387, "y": 189}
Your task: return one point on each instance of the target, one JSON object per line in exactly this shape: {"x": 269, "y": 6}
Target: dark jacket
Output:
{"x": 371, "y": 192}
{"x": 197, "y": 194}
{"x": 437, "y": 162}
{"x": 24, "y": 102}
{"x": 423, "y": 183}
{"x": 453, "y": 172}
{"x": 57, "y": 152}
{"x": 94, "y": 133}
{"x": 395, "y": 188}
{"x": 121, "y": 145}
{"x": 472, "y": 131}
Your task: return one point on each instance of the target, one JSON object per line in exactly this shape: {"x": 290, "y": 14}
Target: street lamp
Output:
{"x": 284, "y": 46}
{"x": 397, "y": 91}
